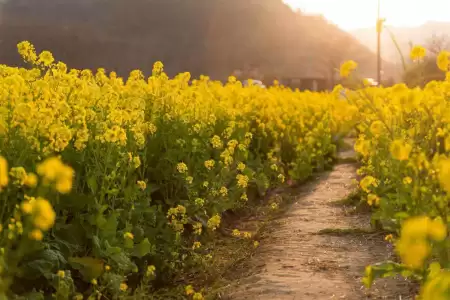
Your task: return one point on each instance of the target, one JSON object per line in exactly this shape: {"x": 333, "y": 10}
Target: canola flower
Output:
{"x": 443, "y": 60}
{"x": 413, "y": 246}
{"x": 4, "y": 178}
{"x": 400, "y": 150}
{"x": 417, "y": 53}
{"x": 404, "y": 144}
{"x": 115, "y": 131}
{"x": 52, "y": 170}
{"x": 142, "y": 185}
{"x": 347, "y": 68}
{"x": 42, "y": 214}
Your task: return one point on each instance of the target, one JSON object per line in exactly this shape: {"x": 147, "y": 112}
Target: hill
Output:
{"x": 214, "y": 37}
{"x": 421, "y": 35}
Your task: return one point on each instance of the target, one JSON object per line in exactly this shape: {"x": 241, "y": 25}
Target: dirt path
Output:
{"x": 295, "y": 262}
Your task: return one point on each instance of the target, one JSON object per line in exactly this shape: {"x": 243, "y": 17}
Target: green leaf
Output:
{"x": 128, "y": 243}
{"x": 92, "y": 184}
{"x": 75, "y": 202}
{"x": 383, "y": 270}
{"x": 100, "y": 220}
{"x": 123, "y": 262}
{"x": 113, "y": 192}
{"x": 143, "y": 248}
{"x": 89, "y": 267}
{"x": 111, "y": 250}
{"x": 401, "y": 215}
{"x": 29, "y": 296}
{"x": 109, "y": 227}
{"x": 44, "y": 263}
{"x": 113, "y": 282}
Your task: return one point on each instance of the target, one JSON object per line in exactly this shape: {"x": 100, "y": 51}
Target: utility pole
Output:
{"x": 379, "y": 28}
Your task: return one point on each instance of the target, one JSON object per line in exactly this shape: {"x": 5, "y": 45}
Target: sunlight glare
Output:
{"x": 353, "y": 14}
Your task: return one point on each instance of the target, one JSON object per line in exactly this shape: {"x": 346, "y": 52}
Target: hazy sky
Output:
{"x": 352, "y": 14}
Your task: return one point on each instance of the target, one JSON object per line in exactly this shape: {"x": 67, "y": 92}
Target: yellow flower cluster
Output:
{"x": 403, "y": 142}
{"x": 42, "y": 215}
{"x": 200, "y": 145}
{"x": 52, "y": 170}
{"x": 413, "y": 245}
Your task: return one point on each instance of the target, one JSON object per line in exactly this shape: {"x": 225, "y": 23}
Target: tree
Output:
{"x": 437, "y": 43}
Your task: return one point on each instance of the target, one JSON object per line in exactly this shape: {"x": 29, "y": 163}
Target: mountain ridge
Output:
{"x": 213, "y": 37}
{"x": 405, "y": 37}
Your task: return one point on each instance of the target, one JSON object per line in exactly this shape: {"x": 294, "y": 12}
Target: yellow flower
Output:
{"x": 223, "y": 191}
{"x": 123, "y": 287}
{"x": 416, "y": 227}
{"x": 61, "y": 274}
{"x": 53, "y": 170}
{"x": 400, "y": 150}
{"x": 242, "y": 180}
{"x": 255, "y": 244}
{"x": 414, "y": 253}
{"x": 377, "y": 128}
{"x": 443, "y": 60}
{"x": 128, "y": 235}
{"x": 444, "y": 174}
{"x": 236, "y": 233}
{"x": 198, "y": 296}
{"x": 189, "y": 290}
{"x": 214, "y": 222}
{"x": 27, "y": 207}
{"x": 26, "y": 50}
{"x": 182, "y": 168}
{"x": 216, "y": 142}
{"x": 46, "y": 58}
{"x": 244, "y": 197}
{"x": 373, "y": 199}
{"x": 437, "y": 230}
{"x": 4, "y": 179}
{"x": 49, "y": 168}
{"x": 107, "y": 268}
{"x": 388, "y": 237}
{"x": 43, "y": 214}
{"x": 36, "y": 235}
{"x": 413, "y": 246}
{"x": 417, "y": 53}
{"x": 347, "y": 68}
{"x": 241, "y": 167}
{"x": 367, "y": 182}
{"x": 142, "y": 185}
{"x": 31, "y": 180}
{"x": 19, "y": 174}
{"x": 407, "y": 180}
{"x": 198, "y": 228}
{"x": 362, "y": 147}
{"x": 196, "y": 245}
{"x": 94, "y": 282}
{"x": 437, "y": 287}
{"x": 136, "y": 162}
{"x": 189, "y": 179}
{"x": 209, "y": 164}
{"x": 151, "y": 270}
{"x": 199, "y": 202}
{"x": 247, "y": 235}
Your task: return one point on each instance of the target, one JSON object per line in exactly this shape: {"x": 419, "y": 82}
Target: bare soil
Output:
{"x": 302, "y": 257}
